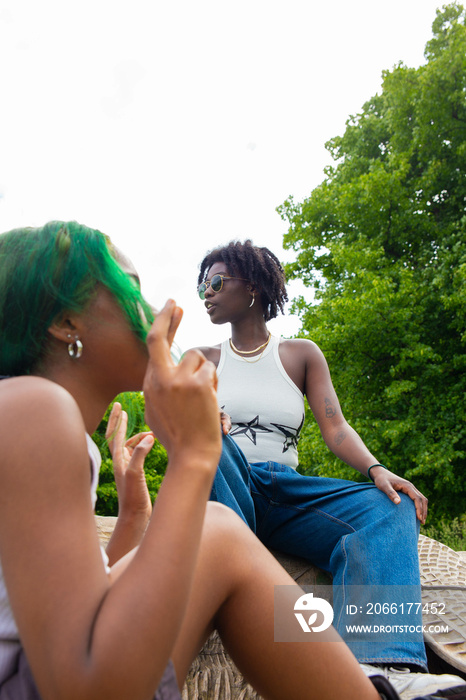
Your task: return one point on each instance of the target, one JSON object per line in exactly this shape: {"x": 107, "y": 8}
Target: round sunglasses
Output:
{"x": 216, "y": 284}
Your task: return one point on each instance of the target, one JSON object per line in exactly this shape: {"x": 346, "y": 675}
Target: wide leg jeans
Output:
{"x": 352, "y": 530}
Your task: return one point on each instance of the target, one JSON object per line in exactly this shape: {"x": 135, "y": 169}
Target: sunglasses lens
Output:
{"x": 216, "y": 283}
{"x": 201, "y": 290}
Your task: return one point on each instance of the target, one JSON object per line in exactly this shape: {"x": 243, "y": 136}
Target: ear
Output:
{"x": 64, "y": 328}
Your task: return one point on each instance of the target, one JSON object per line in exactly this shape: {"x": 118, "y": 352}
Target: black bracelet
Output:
{"x": 372, "y": 466}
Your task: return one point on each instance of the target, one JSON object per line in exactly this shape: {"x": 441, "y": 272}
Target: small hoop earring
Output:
{"x": 253, "y": 300}
{"x": 75, "y": 350}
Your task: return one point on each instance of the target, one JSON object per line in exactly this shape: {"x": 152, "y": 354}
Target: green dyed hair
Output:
{"x": 49, "y": 270}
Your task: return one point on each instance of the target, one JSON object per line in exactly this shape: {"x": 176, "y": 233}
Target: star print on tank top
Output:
{"x": 291, "y": 435}
{"x": 250, "y": 429}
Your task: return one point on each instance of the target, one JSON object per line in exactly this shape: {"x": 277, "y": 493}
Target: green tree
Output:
{"x": 155, "y": 464}
{"x": 382, "y": 241}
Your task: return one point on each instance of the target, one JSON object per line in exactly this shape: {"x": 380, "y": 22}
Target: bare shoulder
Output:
{"x": 25, "y": 396}
{"x": 37, "y": 414}
{"x": 211, "y": 353}
{"x": 300, "y": 349}
{"x": 303, "y": 361}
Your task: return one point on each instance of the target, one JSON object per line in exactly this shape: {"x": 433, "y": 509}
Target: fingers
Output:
{"x": 133, "y": 441}
{"x": 180, "y": 399}
{"x": 194, "y": 367}
{"x": 175, "y": 322}
{"x": 181, "y": 403}
{"x": 116, "y": 428}
{"x": 113, "y": 420}
{"x": 420, "y": 501}
{"x": 208, "y": 373}
{"x": 225, "y": 422}
{"x": 160, "y": 336}
{"x": 393, "y": 496}
{"x": 140, "y": 451}
{"x": 421, "y": 509}
{"x": 194, "y": 361}
{"x": 160, "y": 339}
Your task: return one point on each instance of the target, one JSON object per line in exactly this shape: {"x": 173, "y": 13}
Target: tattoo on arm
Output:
{"x": 330, "y": 409}
{"x": 339, "y": 437}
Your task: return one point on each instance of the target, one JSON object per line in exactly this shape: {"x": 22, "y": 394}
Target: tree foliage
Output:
{"x": 382, "y": 241}
{"x": 155, "y": 464}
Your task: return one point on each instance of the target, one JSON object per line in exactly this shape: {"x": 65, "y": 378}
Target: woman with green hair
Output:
{"x": 75, "y": 332}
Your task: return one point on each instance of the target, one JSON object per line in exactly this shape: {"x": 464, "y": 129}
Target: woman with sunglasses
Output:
{"x": 365, "y": 534}
{"x": 75, "y": 331}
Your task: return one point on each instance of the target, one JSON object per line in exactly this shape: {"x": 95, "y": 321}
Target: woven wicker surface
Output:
{"x": 214, "y": 676}
{"x": 443, "y": 580}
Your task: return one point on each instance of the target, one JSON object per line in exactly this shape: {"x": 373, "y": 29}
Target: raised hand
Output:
{"x": 181, "y": 400}
{"x": 128, "y": 465}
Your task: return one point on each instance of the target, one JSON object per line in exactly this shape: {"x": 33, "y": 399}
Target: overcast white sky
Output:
{"x": 177, "y": 126}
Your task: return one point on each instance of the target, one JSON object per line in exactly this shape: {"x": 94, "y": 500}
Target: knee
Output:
{"x": 402, "y": 516}
{"x": 224, "y": 528}
{"x": 222, "y": 517}
{"x": 406, "y": 506}
{"x": 408, "y": 511}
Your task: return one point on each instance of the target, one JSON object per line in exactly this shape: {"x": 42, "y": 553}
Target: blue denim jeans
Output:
{"x": 349, "y": 529}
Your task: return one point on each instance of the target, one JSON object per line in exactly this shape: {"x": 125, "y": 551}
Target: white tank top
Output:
{"x": 9, "y": 638}
{"x": 265, "y": 405}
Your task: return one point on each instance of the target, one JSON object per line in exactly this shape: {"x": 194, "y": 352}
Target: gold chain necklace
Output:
{"x": 251, "y": 352}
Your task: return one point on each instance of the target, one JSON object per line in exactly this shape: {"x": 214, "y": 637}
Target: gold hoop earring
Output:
{"x": 75, "y": 349}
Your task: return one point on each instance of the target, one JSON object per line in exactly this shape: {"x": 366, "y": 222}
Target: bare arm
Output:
{"x": 339, "y": 437}
{"x": 85, "y": 638}
{"x": 342, "y": 439}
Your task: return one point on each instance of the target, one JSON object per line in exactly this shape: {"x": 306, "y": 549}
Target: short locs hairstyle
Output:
{"x": 47, "y": 271}
{"x": 258, "y": 265}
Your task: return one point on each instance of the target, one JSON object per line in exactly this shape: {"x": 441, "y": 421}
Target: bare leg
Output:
{"x": 233, "y": 590}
